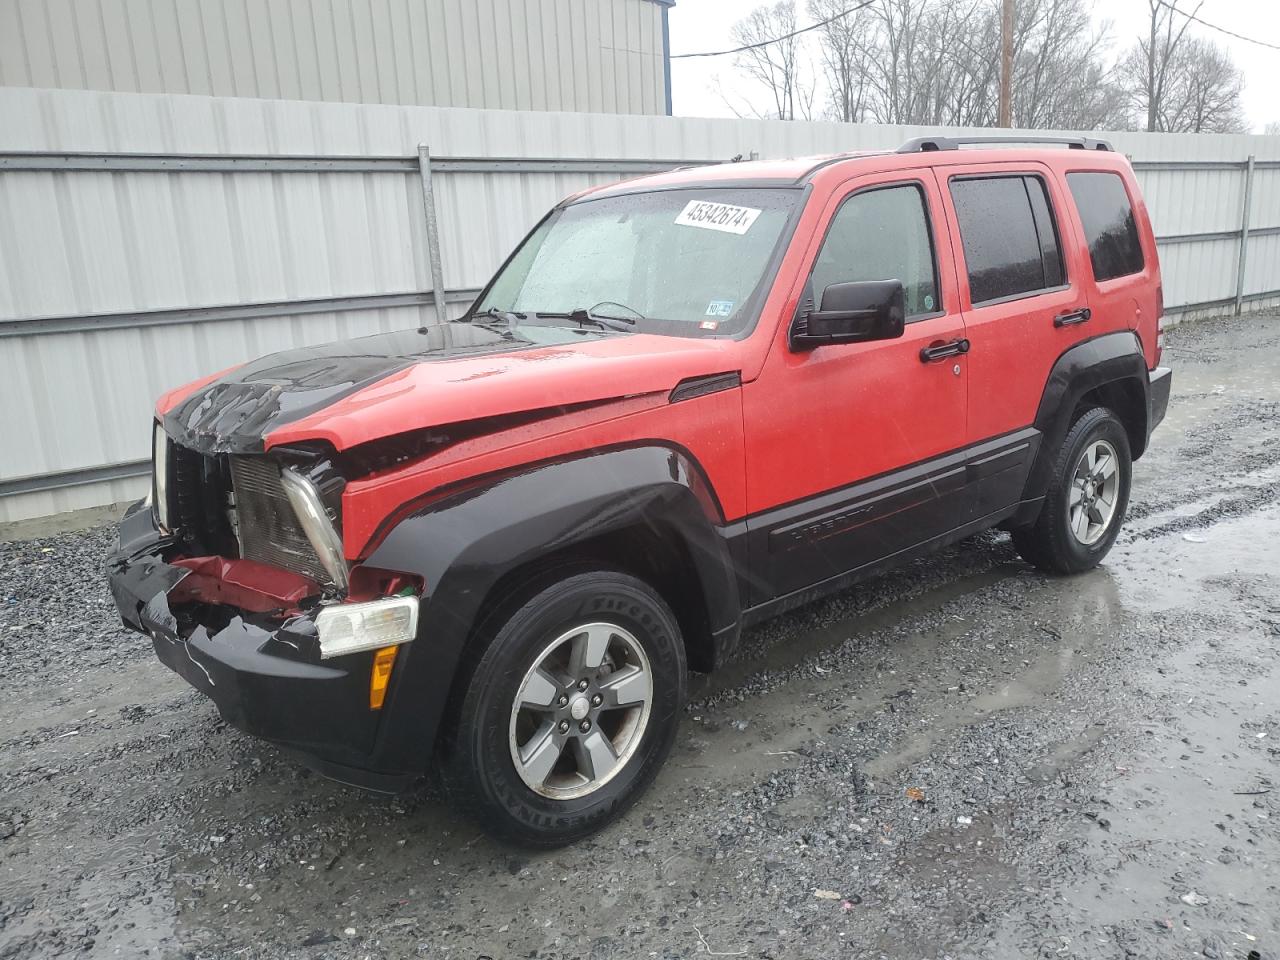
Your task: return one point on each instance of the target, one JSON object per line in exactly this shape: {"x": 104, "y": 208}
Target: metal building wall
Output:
{"x": 602, "y": 56}
{"x": 117, "y": 285}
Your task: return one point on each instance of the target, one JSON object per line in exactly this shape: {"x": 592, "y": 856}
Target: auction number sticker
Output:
{"x": 717, "y": 216}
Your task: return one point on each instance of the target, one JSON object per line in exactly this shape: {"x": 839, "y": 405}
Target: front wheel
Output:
{"x": 570, "y": 711}
{"x": 1087, "y": 497}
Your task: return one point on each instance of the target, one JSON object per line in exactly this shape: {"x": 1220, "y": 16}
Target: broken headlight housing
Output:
{"x": 316, "y": 525}
{"x": 160, "y": 476}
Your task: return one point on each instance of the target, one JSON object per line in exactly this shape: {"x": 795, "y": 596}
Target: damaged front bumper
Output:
{"x": 261, "y": 671}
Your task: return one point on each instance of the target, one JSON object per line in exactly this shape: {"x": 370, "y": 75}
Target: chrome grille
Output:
{"x": 266, "y": 524}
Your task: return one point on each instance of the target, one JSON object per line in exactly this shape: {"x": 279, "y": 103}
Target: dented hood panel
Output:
{"x": 354, "y": 391}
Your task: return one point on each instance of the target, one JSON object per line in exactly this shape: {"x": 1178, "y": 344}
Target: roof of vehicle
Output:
{"x": 922, "y": 151}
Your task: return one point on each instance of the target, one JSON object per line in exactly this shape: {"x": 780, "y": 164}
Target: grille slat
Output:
{"x": 268, "y": 528}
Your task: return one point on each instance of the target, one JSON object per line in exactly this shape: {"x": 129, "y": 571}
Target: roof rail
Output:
{"x": 926, "y": 144}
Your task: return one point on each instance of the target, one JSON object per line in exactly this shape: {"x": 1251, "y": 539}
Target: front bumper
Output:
{"x": 263, "y": 674}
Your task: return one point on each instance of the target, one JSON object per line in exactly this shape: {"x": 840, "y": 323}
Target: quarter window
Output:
{"x": 1009, "y": 236}
{"x": 1108, "y": 222}
{"x": 882, "y": 234}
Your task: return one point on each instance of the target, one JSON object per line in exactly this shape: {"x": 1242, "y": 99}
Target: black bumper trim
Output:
{"x": 1160, "y": 380}
{"x": 263, "y": 676}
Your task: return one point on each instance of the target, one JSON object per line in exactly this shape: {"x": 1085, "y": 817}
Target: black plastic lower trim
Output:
{"x": 1161, "y": 382}
{"x": 799, "y": 598}
{"x": 812, "y": 540}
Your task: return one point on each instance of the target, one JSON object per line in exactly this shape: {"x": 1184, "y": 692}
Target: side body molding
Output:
{"x": 463, "y": 545}
{"x": 1111, "y": 362}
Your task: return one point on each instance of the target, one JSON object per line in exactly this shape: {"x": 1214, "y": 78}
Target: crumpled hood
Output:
{"x": 353, "y": 391}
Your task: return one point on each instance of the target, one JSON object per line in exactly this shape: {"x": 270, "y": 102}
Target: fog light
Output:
{"x": 383, "y": 661}
{"x": 351, "y": 627}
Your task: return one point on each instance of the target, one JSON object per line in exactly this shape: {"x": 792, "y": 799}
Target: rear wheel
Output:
{"x": 1087, "y": 497}
{"x": 570, "y": 711}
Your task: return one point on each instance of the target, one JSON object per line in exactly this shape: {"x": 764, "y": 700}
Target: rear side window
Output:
{"x": 1108, "y": 222}
{"x": 1009, "y": 236}
{"x": 882, "y": 234}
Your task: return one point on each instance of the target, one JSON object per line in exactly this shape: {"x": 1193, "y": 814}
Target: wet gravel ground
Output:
{"x": 962, "y": 759}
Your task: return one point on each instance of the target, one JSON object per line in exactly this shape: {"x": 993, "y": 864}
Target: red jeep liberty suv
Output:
{"x": 686, "y": 402}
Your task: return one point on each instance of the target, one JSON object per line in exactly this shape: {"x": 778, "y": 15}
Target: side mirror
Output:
{"x": 852, "y": 313}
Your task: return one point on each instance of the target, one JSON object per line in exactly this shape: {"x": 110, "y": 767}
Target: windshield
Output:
{"x": 677, "y": 262}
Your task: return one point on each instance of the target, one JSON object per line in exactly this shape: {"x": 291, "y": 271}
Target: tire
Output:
{"x": 494, "y": 754}
{"x": 1058, "y": 542}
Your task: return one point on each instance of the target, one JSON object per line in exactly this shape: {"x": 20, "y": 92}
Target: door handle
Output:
{"x": 1075, "y": 316}
{"x": 938, "y": 351}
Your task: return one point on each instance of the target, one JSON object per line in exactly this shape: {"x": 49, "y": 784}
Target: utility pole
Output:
{"x": 1006, "y": 63}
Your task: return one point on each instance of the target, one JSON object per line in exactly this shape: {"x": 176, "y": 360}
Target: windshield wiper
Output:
{"x": 508, "y": 316}
{"x": 485, "y": 318}
{"x": 584, "y": 316}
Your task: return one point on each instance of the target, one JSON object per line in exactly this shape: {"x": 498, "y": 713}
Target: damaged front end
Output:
{"x": 234, "y": 569}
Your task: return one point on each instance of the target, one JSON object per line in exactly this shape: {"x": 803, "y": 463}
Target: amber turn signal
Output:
{"x": 383, "y": 660}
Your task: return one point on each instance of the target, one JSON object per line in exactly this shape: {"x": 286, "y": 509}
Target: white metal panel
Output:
{"x": 85, "y": 399}
{"x": 86, "y": 243}
{"x": 1263, "y": 264}
{"x": 1192, "y": 201}
{"x": 596, "y": 55}
{"x": 1265, "y": 202}
{"x": 1196, "y": 272}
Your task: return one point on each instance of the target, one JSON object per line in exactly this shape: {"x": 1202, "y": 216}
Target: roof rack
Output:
{"x": 927, "y": 144}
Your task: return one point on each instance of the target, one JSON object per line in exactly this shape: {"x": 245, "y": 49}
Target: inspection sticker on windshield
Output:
{"x": 717, "y": 216}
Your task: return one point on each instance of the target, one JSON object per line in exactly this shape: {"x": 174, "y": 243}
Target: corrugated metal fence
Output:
{"x": 145, "y": 240}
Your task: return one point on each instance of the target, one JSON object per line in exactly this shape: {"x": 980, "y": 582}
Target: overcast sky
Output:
{"x": 699, "y": 87}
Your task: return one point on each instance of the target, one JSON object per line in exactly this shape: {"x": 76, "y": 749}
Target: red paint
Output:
{"x": 246, "y": 584}
{"x": 172, "y": 398}
{"x": 472, "y": 388}
{"x": 371, "y": 583}
{"x": 802, "y": 422}
{"x": 853, "y": 411}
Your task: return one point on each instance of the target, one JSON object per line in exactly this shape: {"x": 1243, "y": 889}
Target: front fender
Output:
{"x": 463, "y": 545}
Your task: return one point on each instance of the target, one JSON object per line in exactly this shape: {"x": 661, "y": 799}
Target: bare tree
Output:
{"x": 775, "y": 59}
{"x": 1197, "y": 89}
{"x": 1060, "y": 75}
{"x": 915, "y": 61}
{"x": 1272, "y": 128}
{"x": 938, "y": 62}
{"x": 844, "y": 58}
{"x": 1145, "y": 70}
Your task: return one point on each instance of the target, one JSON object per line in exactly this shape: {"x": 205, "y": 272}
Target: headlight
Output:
{"x": 315, "y": 522}
{"x": 160, "y": 475}
{"x": 352, "y": 627}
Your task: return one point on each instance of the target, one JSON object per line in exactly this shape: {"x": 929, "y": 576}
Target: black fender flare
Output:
{"x": 462, "y": 545}
{"x": 1110, "y": 360}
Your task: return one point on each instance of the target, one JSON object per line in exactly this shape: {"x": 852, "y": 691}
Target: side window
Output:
{"x": 1108, "y": 223}
{"x": 882, "y": 234}
{"x": 1009, "y": 236}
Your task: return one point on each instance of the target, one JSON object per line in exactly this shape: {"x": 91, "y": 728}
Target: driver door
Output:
{"x": 845, "y": 443}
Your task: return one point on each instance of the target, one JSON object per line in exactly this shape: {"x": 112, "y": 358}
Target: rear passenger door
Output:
{"x": 1123, "y": 291}
{"x": 1020, "y": 267}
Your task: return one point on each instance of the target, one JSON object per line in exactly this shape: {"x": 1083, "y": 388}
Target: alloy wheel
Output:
{"x": 1095, "y": 488}
{"x": 581, "y": 711}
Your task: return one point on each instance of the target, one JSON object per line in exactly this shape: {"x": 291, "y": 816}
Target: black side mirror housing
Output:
{"x": 852, "y": 313}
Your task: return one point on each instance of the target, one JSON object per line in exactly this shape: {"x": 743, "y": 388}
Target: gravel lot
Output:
{"x": 961, "y": 759}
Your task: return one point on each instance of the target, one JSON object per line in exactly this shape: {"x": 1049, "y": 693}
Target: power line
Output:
{"x": 1214, "y": 26}
{"x": 867, "y": 3}
{"x": 786, "y": 36}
